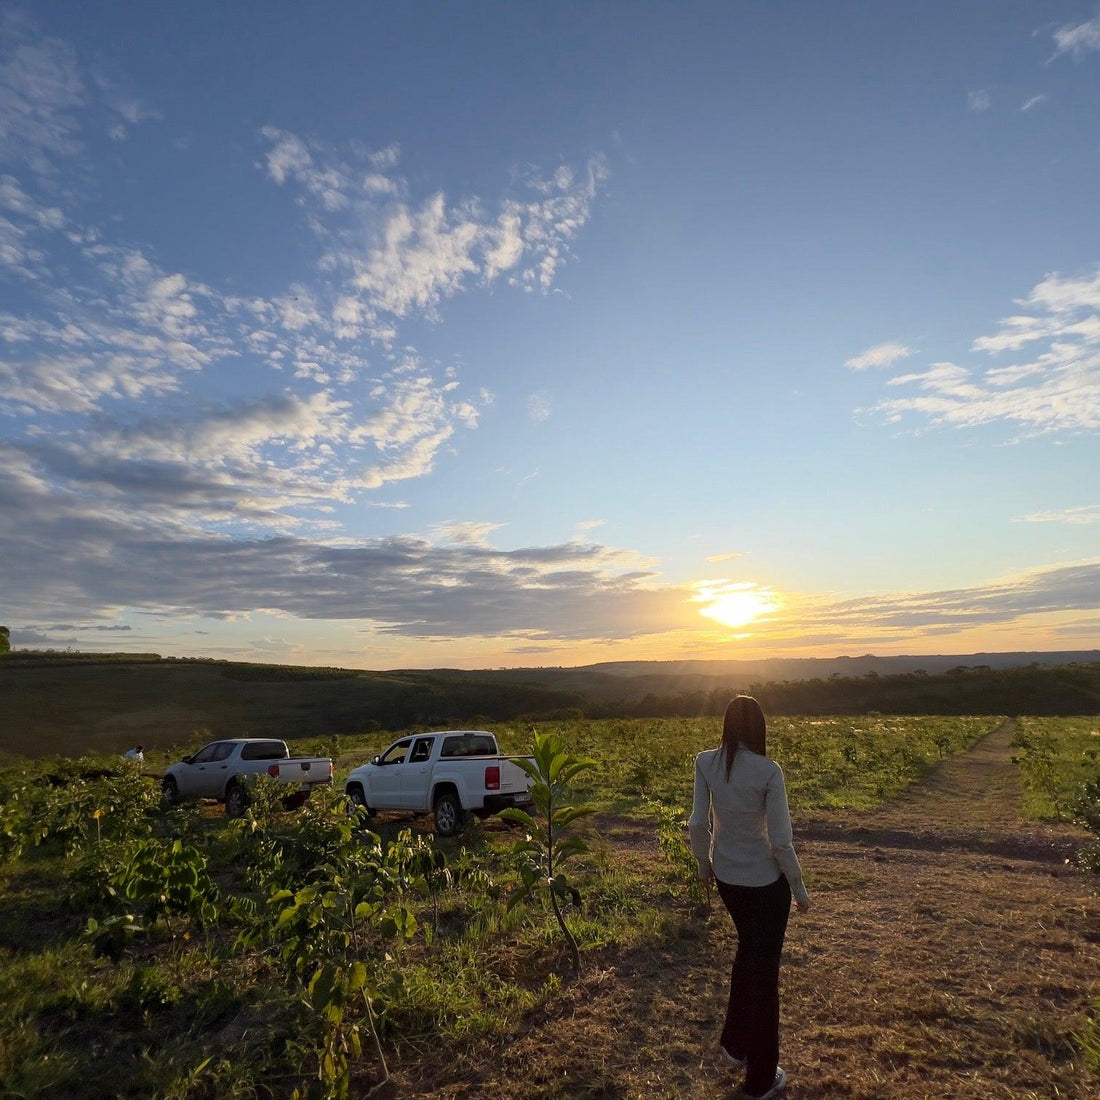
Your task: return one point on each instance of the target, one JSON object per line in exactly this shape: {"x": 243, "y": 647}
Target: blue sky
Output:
{"x": 391, "y": 335}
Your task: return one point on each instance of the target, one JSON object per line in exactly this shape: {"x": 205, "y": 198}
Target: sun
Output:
{"x": 735, "y": 604}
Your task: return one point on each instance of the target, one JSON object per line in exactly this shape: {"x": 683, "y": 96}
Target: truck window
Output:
{"x": 205, "y": 754}
{"x": 469, "y": 745}
{"x": 221, "y": 751}
{"x": 396, "y": 754}
{"x": 421, "y": 750}
{"x": 263, "y": 750}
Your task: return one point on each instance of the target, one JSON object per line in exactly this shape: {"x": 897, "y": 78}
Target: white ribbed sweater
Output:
{"x": 742, "y": 828}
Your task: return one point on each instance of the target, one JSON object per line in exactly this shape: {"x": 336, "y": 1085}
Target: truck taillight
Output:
{"x": 331, "y": 769}
{"x": 492, "y": 777}
{"x": 273, "y": 771}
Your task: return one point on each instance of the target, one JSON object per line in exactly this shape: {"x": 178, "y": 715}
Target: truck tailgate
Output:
{"x": 314, "y": 770}
{"x": 513, "y": 779}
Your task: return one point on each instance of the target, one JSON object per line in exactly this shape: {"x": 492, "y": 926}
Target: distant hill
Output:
{"x": 70, "y": 703}
{"x": 613, "y": 680}
{"x": 69, "y": 706}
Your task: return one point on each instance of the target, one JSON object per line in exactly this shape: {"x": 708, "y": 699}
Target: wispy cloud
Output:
{"x": 879, "y": 355}
{"x": 1053, "y": 389}
{"x": 1033, "y": 102}
{"x": 420, "y": 252}
{"x": 1085, "y": 515}
{"x": 913, "y": 616}
{"x": 41, "y": 92}
{"x": 1078, "y": 39}
{"x": 979, "y": 100}
{"x": 539, "y": 406}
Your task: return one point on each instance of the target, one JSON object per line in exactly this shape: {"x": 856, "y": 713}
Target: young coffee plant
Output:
{"x": 350, "y": 907}
{"x": 550, "y": 843}
{"x": 1038, "y": 762}
{"x": 671, "y": 827}
{"x": 167, "y": 879}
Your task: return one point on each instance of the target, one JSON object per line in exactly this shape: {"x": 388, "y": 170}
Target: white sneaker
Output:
{"x": 778, "y": 1085}
{"x": 733, "y": 1063}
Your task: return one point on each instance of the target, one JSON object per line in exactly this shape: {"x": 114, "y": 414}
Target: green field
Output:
{"x": 172, "y": 953}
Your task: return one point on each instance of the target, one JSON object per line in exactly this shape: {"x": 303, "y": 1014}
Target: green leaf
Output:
{"x": 521, "y": 894}
{"x": 521, "y": 817}
{"x": 574, "y": 846}
{"x": 556, "y": 765}
{"x": 575, "y": 767}
{"x": 570, "y": 813}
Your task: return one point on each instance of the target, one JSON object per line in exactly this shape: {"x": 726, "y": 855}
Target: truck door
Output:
{"x": 418, "y": 774}
{"x": 200, "y": 777}
{"x": 388, "y": 775}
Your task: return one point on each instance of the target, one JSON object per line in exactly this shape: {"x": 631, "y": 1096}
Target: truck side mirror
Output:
{"x": 376, "y": 759}
{"x": 188, "y": 760}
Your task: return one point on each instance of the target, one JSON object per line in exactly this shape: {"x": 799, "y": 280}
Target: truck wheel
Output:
{"x": 169, "y": 792}
{"x": 236, "y": 800}
{"x": 358, "y": 798}
{"x": 448, "y": 814}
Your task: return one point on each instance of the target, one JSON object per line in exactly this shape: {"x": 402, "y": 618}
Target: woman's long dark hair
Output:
{"x": 743, "y": 724}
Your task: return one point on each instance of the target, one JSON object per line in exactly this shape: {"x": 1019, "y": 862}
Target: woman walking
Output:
{"x": 741, "y": 835}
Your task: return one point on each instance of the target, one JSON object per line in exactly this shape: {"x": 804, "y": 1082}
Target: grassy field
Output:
{"x": 1057, "y": 756}
{"x": 151, "y": 953}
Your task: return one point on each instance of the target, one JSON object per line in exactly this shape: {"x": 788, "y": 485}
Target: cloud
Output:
{"x": 69, "y": 555}
{"x": 41, "y": 93}
{"x": 879, "y": 355}
{"x": 1033, "y": 102}
{"x": 396, "y": 255}
{"x": 911, "y": 616}
{"x": 1085, "y": 515}
{"x": 1078, "y": 40}
{"x": 715, "y": 558}
{"x": 1052, "y": 389}
{"x": 539, "y": 406}
{"x": 979, "y": 100}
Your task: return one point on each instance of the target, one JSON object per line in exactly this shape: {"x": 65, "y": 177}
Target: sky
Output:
{"x": 497, "y": 334}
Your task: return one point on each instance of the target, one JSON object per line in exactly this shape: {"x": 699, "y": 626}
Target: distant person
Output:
{"x": 136, "y": 753}
{"x": 741, "y": 835}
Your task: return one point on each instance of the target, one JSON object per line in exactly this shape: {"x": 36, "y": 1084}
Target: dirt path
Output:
{"x": 949, "y": 953}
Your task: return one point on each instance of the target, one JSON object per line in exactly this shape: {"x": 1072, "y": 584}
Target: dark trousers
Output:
{"x": 752, "y": 1018}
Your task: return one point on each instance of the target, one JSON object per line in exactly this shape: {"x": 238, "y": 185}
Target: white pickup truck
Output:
{"x": 450, "y": 773}
{"x": 219, "y": 770}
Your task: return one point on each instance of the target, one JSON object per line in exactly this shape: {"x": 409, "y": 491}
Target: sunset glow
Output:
{"x": 736, "y": 604}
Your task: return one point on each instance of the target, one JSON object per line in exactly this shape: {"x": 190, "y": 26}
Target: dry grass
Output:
{"x": 950, "y": 952}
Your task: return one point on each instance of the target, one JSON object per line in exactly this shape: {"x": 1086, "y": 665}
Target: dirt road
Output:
{"x": 949, "y": 953}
